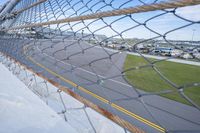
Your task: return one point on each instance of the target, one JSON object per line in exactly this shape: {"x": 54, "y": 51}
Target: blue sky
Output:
{"x": 2, "y": 1}
{"x": 160, "y": 24}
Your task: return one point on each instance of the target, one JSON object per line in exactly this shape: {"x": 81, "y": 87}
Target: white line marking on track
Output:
{"x": 84, "y": 69}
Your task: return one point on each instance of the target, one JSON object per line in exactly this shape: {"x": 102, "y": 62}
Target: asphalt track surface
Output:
{"x": 114, "y": 94}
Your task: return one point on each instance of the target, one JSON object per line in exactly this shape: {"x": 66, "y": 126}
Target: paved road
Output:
{"x": 166, "y": 113}
{"x": 171, "y": 59}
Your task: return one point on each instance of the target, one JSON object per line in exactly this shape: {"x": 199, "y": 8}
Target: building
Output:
{"x": 187, "y": 56}
{"x": 176, "y": 52}
{"x": 196, "y": 55}
{"x": 166, "y": 51}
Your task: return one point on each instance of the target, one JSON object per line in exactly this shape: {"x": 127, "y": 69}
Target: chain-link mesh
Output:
{"x": 127, "y": 57}
{"x": 78, "y": 115}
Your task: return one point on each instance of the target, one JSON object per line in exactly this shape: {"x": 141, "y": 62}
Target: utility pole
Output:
{"x": 193, "y": 34}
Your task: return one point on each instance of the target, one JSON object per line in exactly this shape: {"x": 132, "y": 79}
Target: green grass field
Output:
{"x": 148, "y": 80}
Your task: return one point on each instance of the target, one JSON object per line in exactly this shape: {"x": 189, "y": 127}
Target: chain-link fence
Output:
{"x": 137, "y": 60}
{"x": 77, "y": 114}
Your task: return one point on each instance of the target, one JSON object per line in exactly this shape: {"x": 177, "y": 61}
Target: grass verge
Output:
{"x": 148, "y": 80}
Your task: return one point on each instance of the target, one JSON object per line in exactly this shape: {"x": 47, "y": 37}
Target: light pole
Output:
{"x": 193, "y": 34}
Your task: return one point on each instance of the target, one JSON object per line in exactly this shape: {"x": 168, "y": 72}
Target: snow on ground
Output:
{"x": 21, "y": 111}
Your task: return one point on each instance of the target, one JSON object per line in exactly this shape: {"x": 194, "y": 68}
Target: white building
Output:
{"x": 197, "y": 55}
{"x": 187, "y": 56}
{"x": 139, "y": 46}
{"x": 176, "y": 52}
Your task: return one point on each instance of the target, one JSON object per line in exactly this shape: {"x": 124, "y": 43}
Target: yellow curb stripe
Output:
{"x": 138, "y": 117}
{"x": 155, "y": 126}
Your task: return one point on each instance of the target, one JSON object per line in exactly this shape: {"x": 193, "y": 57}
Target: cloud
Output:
{"x": 190, "y": 12}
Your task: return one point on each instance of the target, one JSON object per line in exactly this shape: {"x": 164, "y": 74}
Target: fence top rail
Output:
{"x": 118, "y": 12}
{"x": 32, "y": 5}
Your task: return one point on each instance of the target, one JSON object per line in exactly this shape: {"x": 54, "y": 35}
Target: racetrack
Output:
{"x": 96, "y": 86}
{"x": 114, "y": 90}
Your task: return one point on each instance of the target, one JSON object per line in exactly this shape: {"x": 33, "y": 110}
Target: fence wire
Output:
{"x": 128, "y": 57}
{"x": 78, "y": 115}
